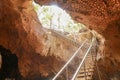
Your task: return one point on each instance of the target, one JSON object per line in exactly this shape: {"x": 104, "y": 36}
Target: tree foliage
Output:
{"x": 55, "y": 18}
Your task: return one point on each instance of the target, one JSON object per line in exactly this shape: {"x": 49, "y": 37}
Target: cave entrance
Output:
{"x": 59, "y": 22}
{"x": 9, "y": 65}
{"x": 54, "y": 17}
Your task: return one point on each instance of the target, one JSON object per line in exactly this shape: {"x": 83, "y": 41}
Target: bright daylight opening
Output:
{"x": 53, "y": 17}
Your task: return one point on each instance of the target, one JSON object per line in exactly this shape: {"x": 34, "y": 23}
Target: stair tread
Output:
{"x": 83, "y": 78}
{"x": 82, "y": 71}
{"x": 83, "y": 74}
{"x": 89, "y": 68}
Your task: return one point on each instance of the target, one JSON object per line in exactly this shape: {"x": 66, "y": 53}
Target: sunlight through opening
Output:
{"x": 53, "y": 17}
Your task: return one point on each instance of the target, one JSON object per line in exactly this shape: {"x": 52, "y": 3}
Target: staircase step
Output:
{"x": 87, "y": 70}
{"x": 89, "y": 63}
{"x": 83, "y": 78}
{"x": 87, "y": 67}
{"x": 90, "y": 56}
{"x": 83, "y": 74}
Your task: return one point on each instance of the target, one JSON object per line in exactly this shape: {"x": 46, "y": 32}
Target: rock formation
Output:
{"x": 39, "y": 53}
{"x": 21, "y": 33}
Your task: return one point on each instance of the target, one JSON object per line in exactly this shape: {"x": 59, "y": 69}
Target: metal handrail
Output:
{"x": 69, "y": 61}
{"x": 74, "y": 76}
{"x": 65, "y": 36}
{"x": 97, "y": 68}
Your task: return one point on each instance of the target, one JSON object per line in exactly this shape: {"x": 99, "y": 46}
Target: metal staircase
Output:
{"x": 85, "y": 69}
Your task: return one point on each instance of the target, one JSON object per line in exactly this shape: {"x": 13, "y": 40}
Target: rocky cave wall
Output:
{"x": 38, "y": 52}
{"x": 21, "y": 33}
{"x": 18, "y": 34}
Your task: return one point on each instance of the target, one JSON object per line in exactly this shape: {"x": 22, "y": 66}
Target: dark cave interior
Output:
{"x": 9, "y": 68}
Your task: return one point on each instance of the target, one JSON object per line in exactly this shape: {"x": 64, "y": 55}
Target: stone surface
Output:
{"x": 18, "y": 34}
{"x": 39, "y": 54}
{"x": 23, "y": 35}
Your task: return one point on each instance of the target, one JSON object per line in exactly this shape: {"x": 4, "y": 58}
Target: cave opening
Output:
{"x": 9, "y": 65}
{"x": 55, "y": 18}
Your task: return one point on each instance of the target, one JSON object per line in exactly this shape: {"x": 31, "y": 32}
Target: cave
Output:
{"x": 30, "y": 51}
{"x": 9, "y": 68}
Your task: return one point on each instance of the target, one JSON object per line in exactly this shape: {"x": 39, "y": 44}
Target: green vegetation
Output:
{"x": 54, "y": 17}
